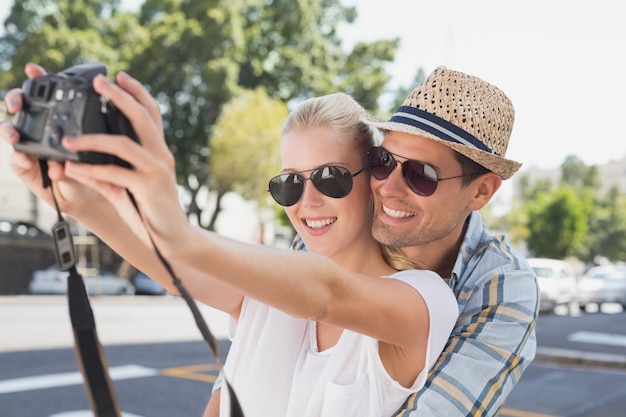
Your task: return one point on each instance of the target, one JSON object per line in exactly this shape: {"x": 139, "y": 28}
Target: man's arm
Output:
{"x": 492, "y": 344}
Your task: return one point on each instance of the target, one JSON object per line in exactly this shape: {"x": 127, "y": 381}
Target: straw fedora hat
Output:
{"x": 461, "y": 111}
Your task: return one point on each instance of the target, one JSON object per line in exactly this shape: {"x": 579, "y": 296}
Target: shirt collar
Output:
{"x": 474, "y": 234}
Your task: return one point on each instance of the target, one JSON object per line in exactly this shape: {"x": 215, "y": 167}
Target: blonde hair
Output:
{"x": 398, "y": 261}
{"x": 340, "y": 111}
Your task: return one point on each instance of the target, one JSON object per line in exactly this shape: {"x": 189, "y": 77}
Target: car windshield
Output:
{"x": 543, "y": 272}
{"x": 609, "y": 276}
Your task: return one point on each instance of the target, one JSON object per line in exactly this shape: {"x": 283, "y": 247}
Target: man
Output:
{"x": 442, "y": 159}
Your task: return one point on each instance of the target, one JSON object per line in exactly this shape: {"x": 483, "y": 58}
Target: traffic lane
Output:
{"x": 149, "y": 380}
{"x": 549, "y": 389}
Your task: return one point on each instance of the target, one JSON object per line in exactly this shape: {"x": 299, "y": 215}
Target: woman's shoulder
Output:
{"x": 424, "y": 281}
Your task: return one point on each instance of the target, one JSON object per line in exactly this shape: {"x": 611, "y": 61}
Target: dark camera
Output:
{"x": 65, "y": 104}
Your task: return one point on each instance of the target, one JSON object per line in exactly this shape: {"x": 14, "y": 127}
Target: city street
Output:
{"x": 160, "y": 365}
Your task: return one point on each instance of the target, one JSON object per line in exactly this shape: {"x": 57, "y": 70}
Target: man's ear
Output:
{"x": 484, "y": 188}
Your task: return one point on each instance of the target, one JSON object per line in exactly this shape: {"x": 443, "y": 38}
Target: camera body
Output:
{"x": 65, "y": 104}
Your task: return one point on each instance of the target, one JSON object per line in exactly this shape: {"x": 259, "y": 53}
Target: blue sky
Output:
{"x": 561, "y": 62}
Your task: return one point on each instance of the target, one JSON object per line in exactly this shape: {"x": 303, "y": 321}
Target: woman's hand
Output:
{"x": 73, "y": 198}
{"x": 152, "y": 181}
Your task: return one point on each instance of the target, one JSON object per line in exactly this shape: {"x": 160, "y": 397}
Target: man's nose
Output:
{"x": 393, "y": 185}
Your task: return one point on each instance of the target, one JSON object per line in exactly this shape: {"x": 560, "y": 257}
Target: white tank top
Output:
{"x": 276, "y": 370}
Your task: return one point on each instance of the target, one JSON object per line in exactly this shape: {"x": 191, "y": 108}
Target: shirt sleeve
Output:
{"x": 491, "y": 345}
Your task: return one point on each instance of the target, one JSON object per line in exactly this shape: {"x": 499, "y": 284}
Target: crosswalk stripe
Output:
{"x": 71, "y": 378}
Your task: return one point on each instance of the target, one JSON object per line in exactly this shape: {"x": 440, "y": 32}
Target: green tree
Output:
{"x": 575, "y": 173}
{"x": 191, "y": 68}
{"x": 60, "y": 34}
{"x": 403, "y": 92}
{"x": 607, "y": 227}
{"x": 294, "y": 51}
{"x": 607, "y": 215}
{"x": 244, "y": 147}
{"x": 557, "y": 223}
{"x": 573, "y": 218}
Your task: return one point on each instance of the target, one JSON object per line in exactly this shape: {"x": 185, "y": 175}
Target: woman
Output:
{"x": 313, "y": 329}
{"x": 319, "y": 132}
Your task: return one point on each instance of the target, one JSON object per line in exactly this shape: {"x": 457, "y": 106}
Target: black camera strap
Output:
{"x": 212, "y": 342}
{"x": 89, "y": 353}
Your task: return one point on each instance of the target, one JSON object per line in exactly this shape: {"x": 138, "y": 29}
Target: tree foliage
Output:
{"x": 244, "y": 146}
{"x": 607, "y": 227}
{"x": 573, "y": 217}
{"x": 60, "y": 34}
{"x": 195, "y": 55}
{"x": 403, "y": 92}
{"x": 557, "y": 222}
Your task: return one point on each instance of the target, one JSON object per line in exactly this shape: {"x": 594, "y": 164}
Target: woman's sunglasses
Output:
{"x": 331, "y": 180}
{"x": 420, "y": 177}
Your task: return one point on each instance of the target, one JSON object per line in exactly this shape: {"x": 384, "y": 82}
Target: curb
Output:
{"x": 567, "y": 356}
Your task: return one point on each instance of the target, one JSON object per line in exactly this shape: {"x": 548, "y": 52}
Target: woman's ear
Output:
{"x": 485, "y": 187}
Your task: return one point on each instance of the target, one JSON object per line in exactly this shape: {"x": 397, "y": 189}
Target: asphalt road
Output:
{"x": 159, "y": 362}
{"x": 596, "y": 339}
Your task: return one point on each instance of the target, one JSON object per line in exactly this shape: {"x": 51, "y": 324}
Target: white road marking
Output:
{"x": 71, "y": 378}
{"x": 598, "y": 338}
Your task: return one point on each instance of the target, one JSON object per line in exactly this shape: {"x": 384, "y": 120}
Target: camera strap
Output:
{"x": 89, "y": 353}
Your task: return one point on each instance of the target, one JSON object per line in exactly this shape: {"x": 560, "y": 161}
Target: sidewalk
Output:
{"x": 42, "y": 322}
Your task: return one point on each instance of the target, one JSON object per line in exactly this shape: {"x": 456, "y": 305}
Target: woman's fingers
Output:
{"x": 149, "y": 171}
{"x": 117, "y": 196}
{"x": 9, "y": 133}
{"x": 13, "y": 100}
{"x": 34, "y": 70}
{"x": 117, "y": 145}
{"x": 13, "y": 97}
{"x": 137, "y": 90}
{"x": 145, "y": 118}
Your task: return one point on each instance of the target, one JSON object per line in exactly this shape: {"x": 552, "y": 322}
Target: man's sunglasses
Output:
{"x": 331, "y": 180}
{"x": 420, "y": 177}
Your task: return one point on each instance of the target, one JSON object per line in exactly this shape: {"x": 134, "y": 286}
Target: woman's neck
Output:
{"x": 365, "y": 258}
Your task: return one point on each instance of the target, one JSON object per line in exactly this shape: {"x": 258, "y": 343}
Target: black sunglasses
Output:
{"x": 331, "y": 180}
{"x": 420, "y": 177}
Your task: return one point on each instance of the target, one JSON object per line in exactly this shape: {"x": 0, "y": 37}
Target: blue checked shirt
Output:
{"x": 494, "y": 338}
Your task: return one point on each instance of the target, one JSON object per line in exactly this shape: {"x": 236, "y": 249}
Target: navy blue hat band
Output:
{"x": 437, "y": 126}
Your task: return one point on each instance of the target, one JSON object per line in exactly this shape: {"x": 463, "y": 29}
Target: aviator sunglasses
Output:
{"x": 421, "y": 178}
{"x": 331, "y": 180}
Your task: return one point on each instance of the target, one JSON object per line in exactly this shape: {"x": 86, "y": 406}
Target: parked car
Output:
{"x": 53, "y": 281}
{"x": 21, "y": 228}
{"x": 144, "y": 285}
{"x": 557, "y": 282}
{"x": 603, "y": 284}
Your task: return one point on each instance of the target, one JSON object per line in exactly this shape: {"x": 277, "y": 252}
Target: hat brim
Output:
{"x": 505, "y": 168}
